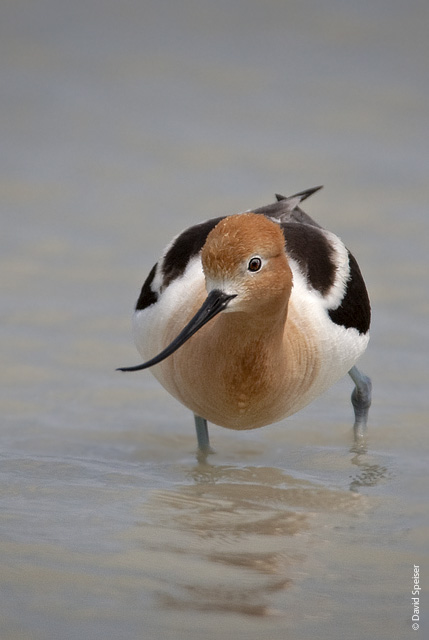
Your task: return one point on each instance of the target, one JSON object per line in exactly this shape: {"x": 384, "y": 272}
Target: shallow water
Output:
{"x": 121, "y": 124}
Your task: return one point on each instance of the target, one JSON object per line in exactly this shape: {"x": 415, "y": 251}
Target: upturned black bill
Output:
{"x": 215, "y": 302}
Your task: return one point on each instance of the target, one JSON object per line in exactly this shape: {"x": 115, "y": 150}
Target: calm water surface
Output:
{"x": 122, "y": 123}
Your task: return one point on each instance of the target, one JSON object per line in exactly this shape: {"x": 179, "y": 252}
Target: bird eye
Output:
{"x": 254, "y": 264}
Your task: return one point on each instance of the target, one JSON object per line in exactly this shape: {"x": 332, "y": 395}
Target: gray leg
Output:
{"x": 202, "y": 434}
{"x": 361, "y": 399}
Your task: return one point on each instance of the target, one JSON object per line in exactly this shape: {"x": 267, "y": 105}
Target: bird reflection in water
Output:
{"x": 235, "y": 538}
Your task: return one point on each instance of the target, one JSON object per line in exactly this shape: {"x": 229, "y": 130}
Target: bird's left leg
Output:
{"x": 361, "y": 400}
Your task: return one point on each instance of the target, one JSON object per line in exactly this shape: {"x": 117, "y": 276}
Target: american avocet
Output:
{"x": 273, "y": 310}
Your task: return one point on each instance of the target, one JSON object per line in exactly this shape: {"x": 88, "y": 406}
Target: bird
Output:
{"x": 247, "y": 318}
